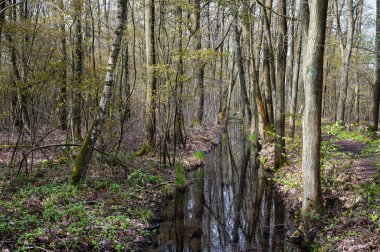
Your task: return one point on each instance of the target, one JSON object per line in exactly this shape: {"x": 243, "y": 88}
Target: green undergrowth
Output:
{"x": 340, "y": 132}
{"x": 361, "y": 212}
{"x": 351, "y": 208}
{"x": 103, "y": 213}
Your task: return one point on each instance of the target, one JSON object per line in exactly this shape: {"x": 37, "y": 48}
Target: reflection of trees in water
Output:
{"x": 243, "y": 211}
{"x": 234, "y": 208}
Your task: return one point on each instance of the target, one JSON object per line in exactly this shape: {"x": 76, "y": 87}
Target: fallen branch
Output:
{"x": 50, "y": 146}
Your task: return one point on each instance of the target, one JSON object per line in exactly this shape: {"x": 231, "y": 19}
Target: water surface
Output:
{"x": 230, "y": 206}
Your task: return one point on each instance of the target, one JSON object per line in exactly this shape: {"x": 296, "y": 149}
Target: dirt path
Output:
{"x": 362, "y": 168}
{"x": 351, "y": 226}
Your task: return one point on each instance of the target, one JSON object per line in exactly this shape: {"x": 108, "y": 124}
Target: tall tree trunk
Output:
{"x": 346, "y": 67}
{"x": 150, "y": 50}
{"x": 252, "y": 73}
{"x": 79, "y": 169}
{"x": 239, "y": 63}
{"x": 292, "y": 56}
{"x": 269, "y": 66}
{"x": 62, "y": 99}
{"x": 301, "y": 40}
{"x": 78, "y": 70}
{"x": 199, "y": 94}
{"x": 267, "y": 84}
{"x": 313, "y": 82}
{"x": 376, "y": 88}
{"x": 179, "y": 134}
{"x": 2, "y": 21}
{"x": 20, "y": 100}
{"x": 279, "y": 155}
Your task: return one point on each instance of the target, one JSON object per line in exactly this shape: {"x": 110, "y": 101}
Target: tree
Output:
{"x": 179, "y": 134}
{"x": 79, "y": 169}
{"x": 240, "y": 66}
{"x": 346, "y": 51}
{"x": 150, "y": 51}
{"x": 279, "y": 116}
{"x": 313, "y": 78}
{"x": 376, "y": 88}
{"x": 78, "y": 70}
{"x": 199, "y": 93}
{"x": 62, "y": 100}
{"x": 301, "y": 33}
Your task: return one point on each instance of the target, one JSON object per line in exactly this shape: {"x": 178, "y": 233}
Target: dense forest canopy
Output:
{"x": 43, "y": 35}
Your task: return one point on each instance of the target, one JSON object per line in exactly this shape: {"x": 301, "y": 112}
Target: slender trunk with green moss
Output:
{"x": 79, "y": 169}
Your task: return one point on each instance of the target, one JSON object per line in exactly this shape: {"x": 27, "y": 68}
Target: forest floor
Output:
{"x": 110, "y": 211}
{"x": 113, "y": 208}
{"x": 350, "y": 164}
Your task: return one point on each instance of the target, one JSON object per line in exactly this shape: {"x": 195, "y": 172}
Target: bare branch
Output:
{"x": 275, "y": 12}
{"x": 11, "y": 6}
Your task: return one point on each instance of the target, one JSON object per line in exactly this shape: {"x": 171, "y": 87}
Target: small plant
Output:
{"x": 44, "y": 164}
{"x": 224, "y": 137}
{"x": 263, "y": 160}
{"x": 101, "y": 184}
{"x": 117, "y": 159}
{"x": 30, "y": 237}
{"x": 118, "y": 221}
{"x": 51, "y": 212}
{"x": 252, "y": 138}
{"x": 371, "y": 192}
{"x": 114, "y": 187}
{"x": 180, "y": 175}
{"x": 167, "y": 190}
{"x": 145, "y": 215}
{"x": 141, "y": 178}
{"x": 200, "y": 154}
{"x": 63, "y": 160}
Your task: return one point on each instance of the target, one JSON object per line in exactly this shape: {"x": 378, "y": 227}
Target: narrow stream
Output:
{"x": 230, "y": 206}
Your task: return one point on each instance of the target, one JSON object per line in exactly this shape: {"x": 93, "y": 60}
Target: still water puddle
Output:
{"x": 230, "y": 206}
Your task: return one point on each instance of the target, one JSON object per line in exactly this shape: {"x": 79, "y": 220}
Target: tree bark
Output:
{"x": 79, "y": 169}
{"x": 239, "y": 63}
{"x": 199, "y": 94}
{"x": 62, "y": 99}
{"x": 269, "y": 66}
{"x": 78, "y": 70}
{"x": 313, "y": 82}
{"x": 150, "y": 118}
{"x": 346, "y": 67}
{"x": 179, "y": 134}
{"x": 279, "y": 154}
{"x": 290, "y": 67}
{"x": 301, "y": 37}
{"x": 376, "y": 88}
